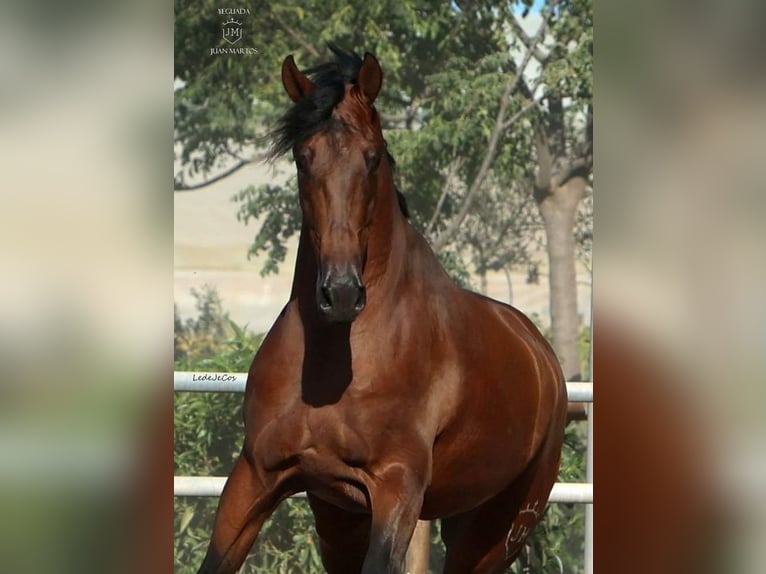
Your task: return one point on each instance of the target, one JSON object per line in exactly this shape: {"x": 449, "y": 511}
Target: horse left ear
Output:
{"x": 296, "y": 84}
{"x": 370, "y": 77}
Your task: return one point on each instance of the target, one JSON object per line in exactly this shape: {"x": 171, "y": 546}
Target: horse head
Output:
{"x": 337, "y": 149}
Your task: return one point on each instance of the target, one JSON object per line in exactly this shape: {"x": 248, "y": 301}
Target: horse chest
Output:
{"x": 315, "y": 440}
{"x": 323, "y": 452}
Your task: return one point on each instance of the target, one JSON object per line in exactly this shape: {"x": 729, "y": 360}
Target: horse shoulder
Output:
{"x": 273, "y": 380}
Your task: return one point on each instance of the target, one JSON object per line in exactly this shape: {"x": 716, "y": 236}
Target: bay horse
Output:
{"x": 383, "y": 390}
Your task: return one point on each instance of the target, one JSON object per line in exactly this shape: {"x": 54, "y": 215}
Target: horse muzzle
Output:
{"x": 341, "y": 295}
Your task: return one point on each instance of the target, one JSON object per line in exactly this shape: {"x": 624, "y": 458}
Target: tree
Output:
{"x": 564, "y": 154}
{"x": 471, "y": 100}
{"x": 501, "y": 232}
{"x": 450, "y": 105}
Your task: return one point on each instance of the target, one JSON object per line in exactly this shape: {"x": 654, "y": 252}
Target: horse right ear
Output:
{"x": 296, "y": 84}
{"x": 370, "y": 77}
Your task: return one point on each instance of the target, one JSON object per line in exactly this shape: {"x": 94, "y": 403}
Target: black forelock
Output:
{"x": 309, "y": 114}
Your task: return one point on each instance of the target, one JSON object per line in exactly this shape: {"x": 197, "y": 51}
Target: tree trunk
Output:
{"x": 510, "y": 285}
{"x": 558, "y": 207}
{"x": 483, "y": 281}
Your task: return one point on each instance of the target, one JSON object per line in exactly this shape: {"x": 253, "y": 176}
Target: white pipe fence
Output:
{"x": 570, "y": 492}
{"x": 187, "y": 381}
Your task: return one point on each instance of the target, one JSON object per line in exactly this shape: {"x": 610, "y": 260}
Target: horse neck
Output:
{"x": 386, "y": 247}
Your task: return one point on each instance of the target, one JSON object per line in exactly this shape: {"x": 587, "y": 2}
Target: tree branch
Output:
{"x": 179, "y": 185}
{"x": 542, "y": 185}
{"x": 556, "y": 128}
{"x": 536, "y": 39}
{"x": 531, "y": 45}
{"x": 394, "y": 118}
{"x": 403, "y": 101}
{"x": 447, "y": 234}
{"x": 463, "y": 11}
{"x": 579, "y": 167}
{"x": 454, "y": 166}
{"x": 295, "y": 35}
{"x": 527, "y": 41}
{"x": 515, "y": 117}
{"x": 500, "y": 127}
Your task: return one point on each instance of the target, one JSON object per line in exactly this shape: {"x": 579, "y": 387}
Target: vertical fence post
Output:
{"x": 588, "y": 559}
{"x": 589, "y": 507}
{"x": 419, "y": 551}
{"x": 588, "y": 562}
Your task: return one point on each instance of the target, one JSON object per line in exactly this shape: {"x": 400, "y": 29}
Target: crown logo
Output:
{"x": 232, "y": 31}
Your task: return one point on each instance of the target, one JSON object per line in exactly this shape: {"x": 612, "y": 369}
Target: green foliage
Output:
{"x": 208, "y": 436}
{"x": 208, "y": 431}
{"x": 199, "y": 339}
{"x": 280, "y": 210}
{"x": 454, "y": 266}
{"x": 584, "y": 231}
{"x": 445, "y": 67}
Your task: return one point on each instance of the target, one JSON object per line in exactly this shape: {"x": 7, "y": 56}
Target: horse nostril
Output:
{"x": 361, "y": 299}
{"x": 325, "y": 297}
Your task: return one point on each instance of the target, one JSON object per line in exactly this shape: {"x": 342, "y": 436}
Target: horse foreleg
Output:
{"x": 343, "y": 536}
{"x": 396, "y": 503}
{"x": 245, "y": 504}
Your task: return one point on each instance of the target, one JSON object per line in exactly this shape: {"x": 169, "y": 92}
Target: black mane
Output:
{"x": 311, "y": 113}
{"x": 308, "y": 115}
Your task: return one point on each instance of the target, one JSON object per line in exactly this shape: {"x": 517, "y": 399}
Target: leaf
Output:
{"x": 186, "y": 518}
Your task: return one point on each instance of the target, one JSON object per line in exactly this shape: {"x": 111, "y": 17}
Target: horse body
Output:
{"x": 417, "y": 399}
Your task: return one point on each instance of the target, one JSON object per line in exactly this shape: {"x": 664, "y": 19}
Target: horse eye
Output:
{"x": 372, "y": 160}
{"x": 302, "y": 160}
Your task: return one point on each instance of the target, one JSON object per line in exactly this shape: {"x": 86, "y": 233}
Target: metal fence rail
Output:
{"x": 187, "y": 381}
{"x": 569, "y": 492}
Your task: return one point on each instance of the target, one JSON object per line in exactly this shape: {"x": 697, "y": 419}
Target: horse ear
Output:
{"x": 370, "y": 77}
{"x": 296, "y": 84}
